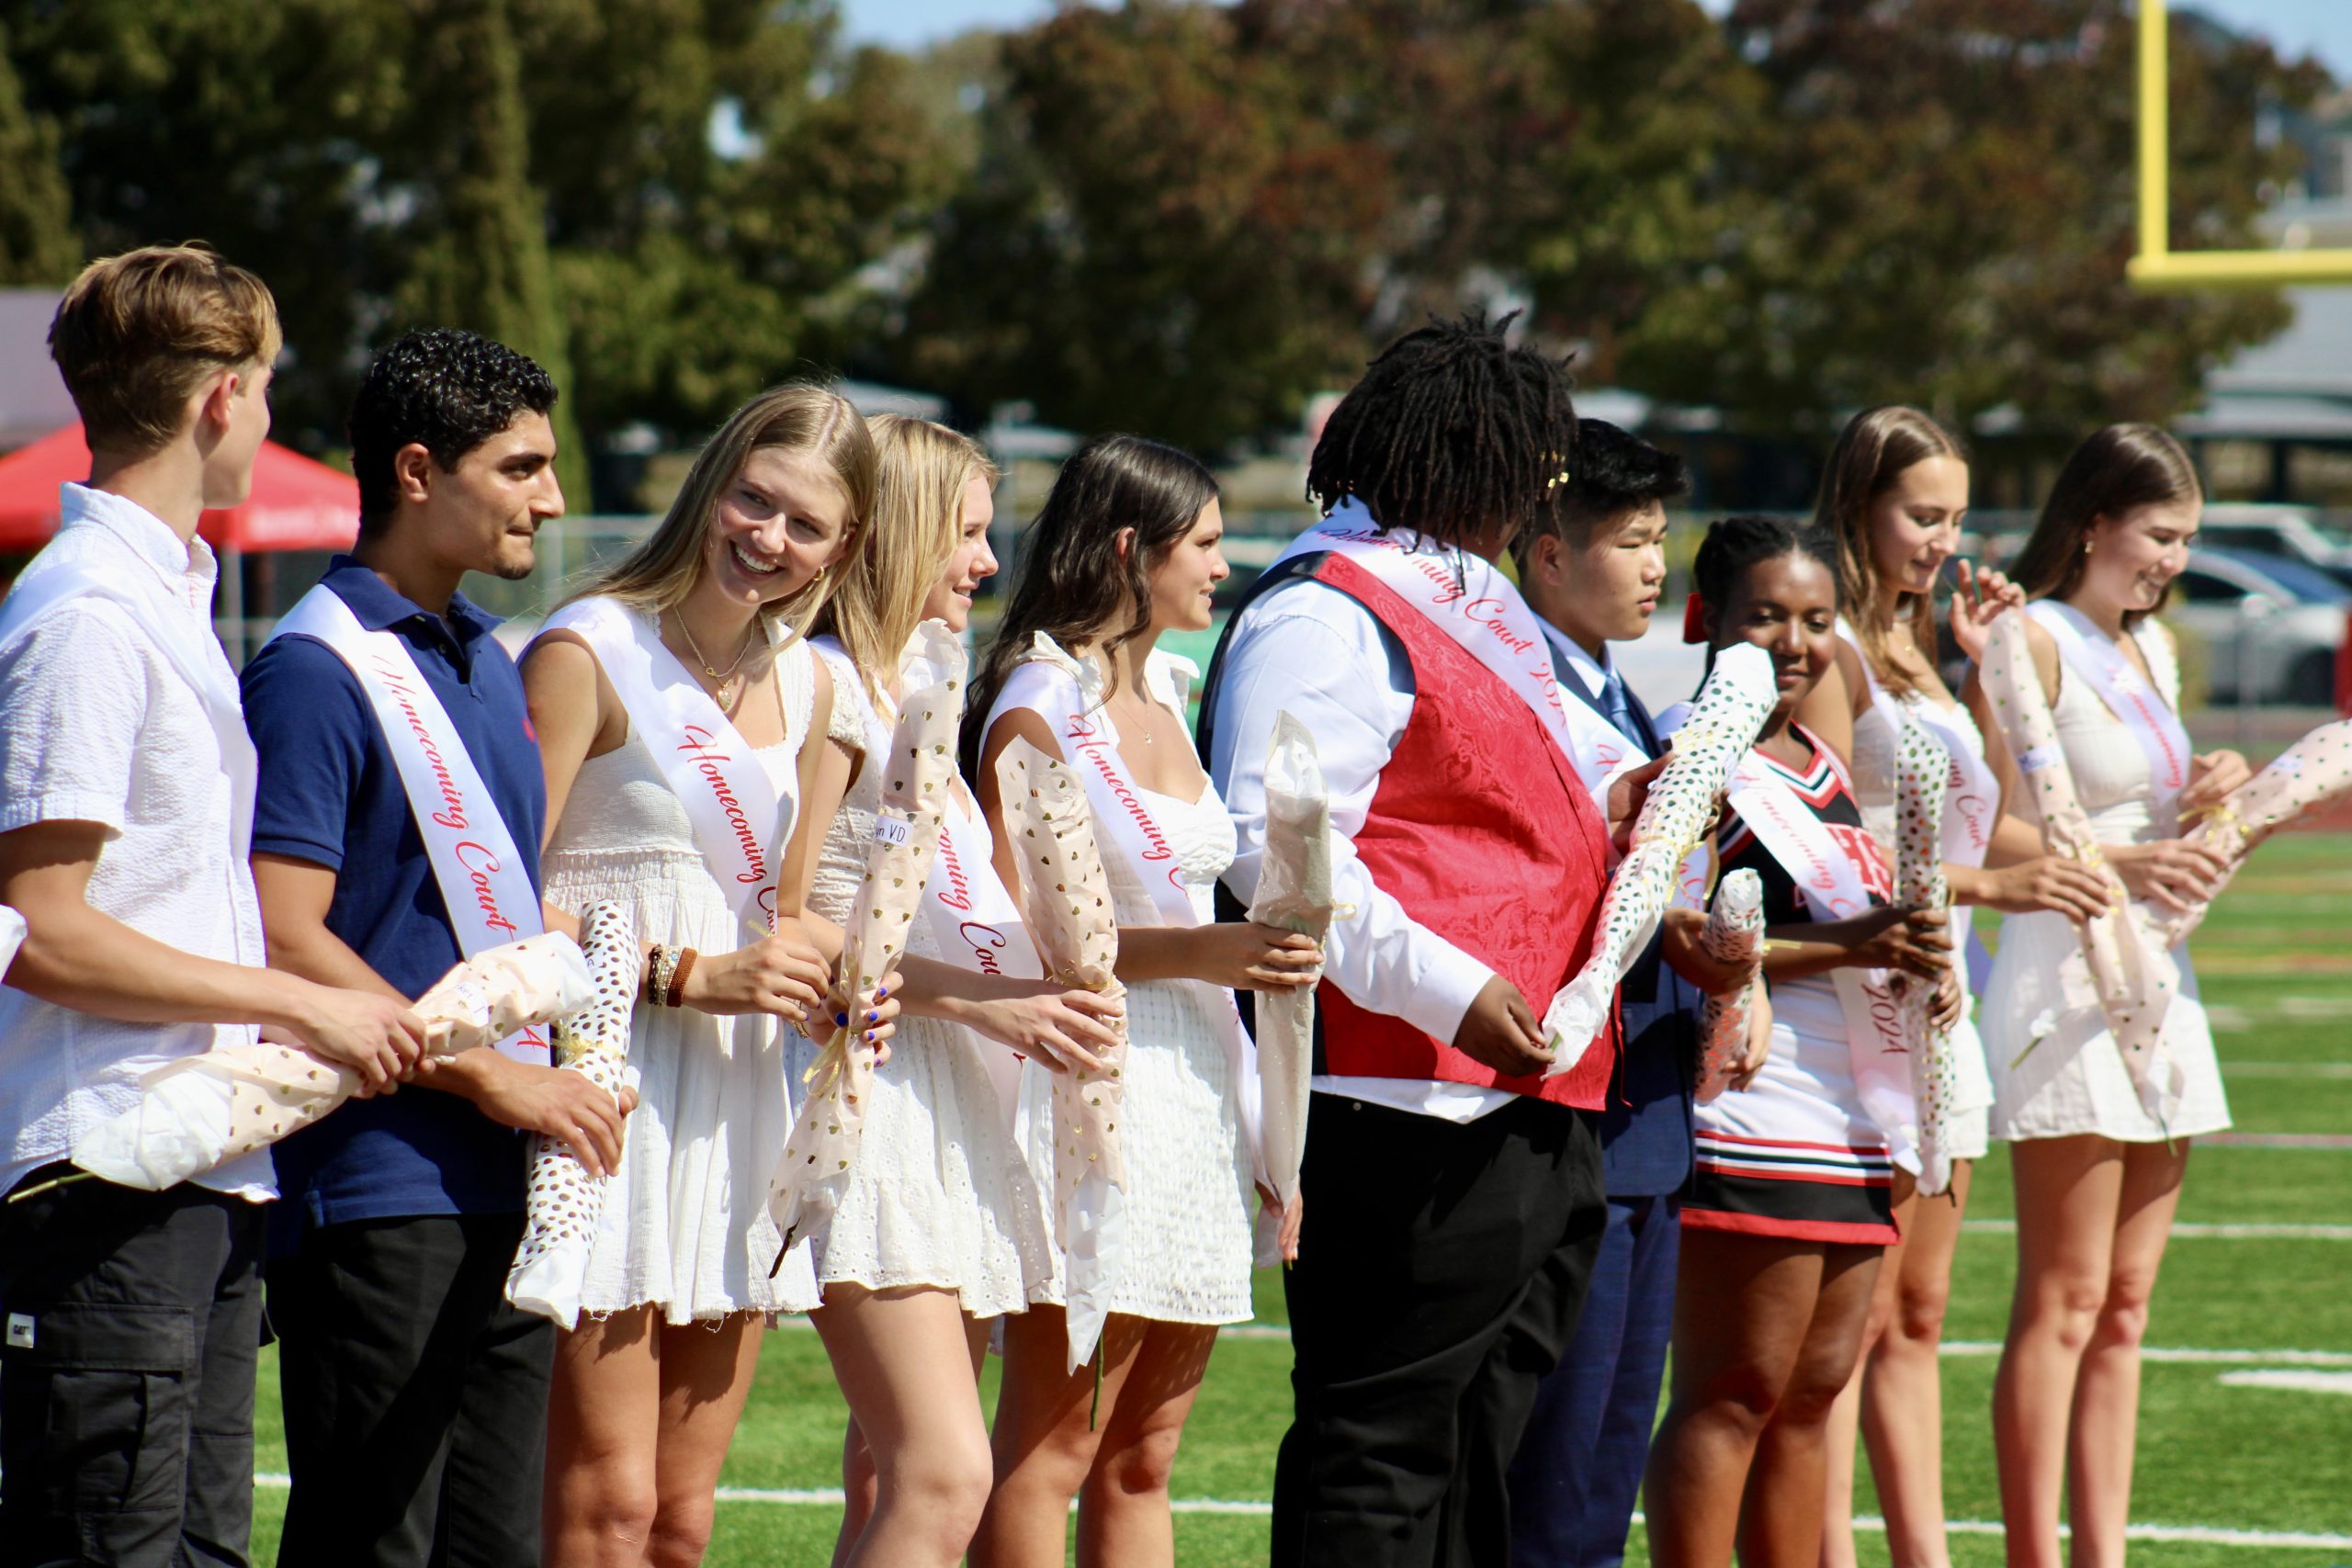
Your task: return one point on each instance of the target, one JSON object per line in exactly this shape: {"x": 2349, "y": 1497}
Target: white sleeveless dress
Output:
{"x": 1873, "y": 770}
{"x": 2073, "y": 1081}
{"x": 940, "y": 1195}
{"x": 685, "y": 1225}
{"x": 1190, "y": 1193}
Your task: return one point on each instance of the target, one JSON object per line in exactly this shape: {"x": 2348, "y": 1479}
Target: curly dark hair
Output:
{"x": 445, "y": 389}
{"x": 1451, "y": 432}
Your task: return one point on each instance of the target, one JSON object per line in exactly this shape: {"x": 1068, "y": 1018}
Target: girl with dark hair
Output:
{"x": 1125, "y": 550}
{"x": 2097, "y": 1176}
{"x": 1892, "y": 498}
{"x": 1790, "y": 1206}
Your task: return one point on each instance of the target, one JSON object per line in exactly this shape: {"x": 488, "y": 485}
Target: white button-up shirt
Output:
{"x": 97, "y": 724}
{"x": 1307, "y": 647}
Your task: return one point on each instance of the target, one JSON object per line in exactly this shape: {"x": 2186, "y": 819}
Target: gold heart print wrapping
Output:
{"x": 917, "y": 783}
{"x": 1733, "y": 934}
{"x": 1293, "y": 893}
{"x": 1738, "y": 696}
{"x": 198, "y": 1112}
{"x": 2117, "y": 968}
{"x": 564, "y": 1202}
{"x": 1066, "y": 899}
{"x": 2308, "y": 777}
{"x": 1922, "y": 772}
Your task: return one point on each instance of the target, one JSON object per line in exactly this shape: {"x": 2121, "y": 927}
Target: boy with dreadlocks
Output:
{"x": 1453, "y": 1180}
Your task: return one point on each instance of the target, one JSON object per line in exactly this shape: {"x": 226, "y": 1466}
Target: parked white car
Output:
{"x": 2271, "y": 627}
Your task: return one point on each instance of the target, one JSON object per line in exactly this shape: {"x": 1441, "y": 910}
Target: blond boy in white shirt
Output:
{"x": 132, "y": 1318}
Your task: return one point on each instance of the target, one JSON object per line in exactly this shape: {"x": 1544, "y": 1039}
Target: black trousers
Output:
{"x": 1439, "y": 1279}
{"x": 132, "y": 1322}
{"x": 416, "y": 1398}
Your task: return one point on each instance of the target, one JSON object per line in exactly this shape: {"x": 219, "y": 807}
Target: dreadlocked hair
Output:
{"x": 1073, "y": 583}
{"x": 1738, "y": 544}
{"x": 1452, "y": 433}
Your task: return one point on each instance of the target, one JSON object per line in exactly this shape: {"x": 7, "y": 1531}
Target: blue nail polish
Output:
{"x": 869, "y": 1037}
{"x": 841, "y": 1020}
{"x": 873, "y": 1018}
{"x": 880, "y": 992}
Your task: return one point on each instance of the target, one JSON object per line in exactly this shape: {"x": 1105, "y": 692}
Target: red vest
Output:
{"x": 1480, "y": 829}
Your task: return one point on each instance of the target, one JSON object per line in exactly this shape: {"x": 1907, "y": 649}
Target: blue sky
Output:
{"x": 2319, "y": 26}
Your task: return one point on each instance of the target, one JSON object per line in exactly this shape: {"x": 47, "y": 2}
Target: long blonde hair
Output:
{"x": 1873, "y": 452}
{"x": 810, "y": 421}
{"x": 920, "y": 473}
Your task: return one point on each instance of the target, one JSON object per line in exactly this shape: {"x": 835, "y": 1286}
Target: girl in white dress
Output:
{"x": 1125, "y": 550}
{"x": 1892, "y": 500}
{"x": 691, "y": 643}
{"x": 2097, "y": 1180}
{"x": 941, "y": 1226}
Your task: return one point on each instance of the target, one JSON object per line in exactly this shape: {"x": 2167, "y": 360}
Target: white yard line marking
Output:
{"x": 2201, "y": 1232}
{"x": 2185, "y": 1356}
{"x": 2300, "y": 1382}
{"x": 2193, "y": 1535}
{"x": 2286, "y": 1069}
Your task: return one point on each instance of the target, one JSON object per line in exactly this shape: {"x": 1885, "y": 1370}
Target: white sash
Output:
{"x": 1048, "y": 684}
{"x": 196, "y": 655}
{"x": 484, "y": 879}
{"x": 739, "y": 824}
{"x": 1466, "y": 598}
{"x": 1834, "y": 889}
{"x": 2094, "y": 657}
{"x": 1598, "y": 747}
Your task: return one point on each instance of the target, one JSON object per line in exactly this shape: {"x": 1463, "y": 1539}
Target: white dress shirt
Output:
{"x": 1310, "y": 649}
{"x": 98, "y": 725}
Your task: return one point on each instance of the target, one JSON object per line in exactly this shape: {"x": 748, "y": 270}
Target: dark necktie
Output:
{"x": 1617, "y": 709}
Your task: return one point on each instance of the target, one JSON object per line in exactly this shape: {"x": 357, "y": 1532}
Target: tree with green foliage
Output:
{"x": 37, "y": 241}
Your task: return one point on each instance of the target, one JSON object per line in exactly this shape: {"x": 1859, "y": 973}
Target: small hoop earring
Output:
{"x": 819, "y": 576}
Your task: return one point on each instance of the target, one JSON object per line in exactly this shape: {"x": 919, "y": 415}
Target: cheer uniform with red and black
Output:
{"x": 1793, "y": 1155}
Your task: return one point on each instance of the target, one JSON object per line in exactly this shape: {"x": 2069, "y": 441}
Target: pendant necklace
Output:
{"x": 729, "y": 685}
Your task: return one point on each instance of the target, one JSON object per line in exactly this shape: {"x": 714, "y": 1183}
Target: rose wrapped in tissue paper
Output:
{"x": 1731, "y": 708}
{"x": 918, "y": 778}
{"x": 2120, "y": 968}
{"x": 1295, "y": 894}
{"x": 196, "y": 1112}
{"x": 1065, "y": 900}
{"x": 1733, "y": 934}
{"x": 564, "y": 1200}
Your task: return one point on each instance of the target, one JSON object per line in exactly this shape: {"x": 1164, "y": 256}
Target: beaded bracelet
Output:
{"x": 677, "y": 988}
{"x": 658, "y": 972}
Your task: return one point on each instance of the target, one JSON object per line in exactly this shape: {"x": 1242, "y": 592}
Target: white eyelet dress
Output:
{"x": 686, "y": 1225}
{"x": 1190, "y": 1193}
{"x": 940, "y": 1195}
{"x": 1872, "y": 768}
{"x": 2073, "y": 1080}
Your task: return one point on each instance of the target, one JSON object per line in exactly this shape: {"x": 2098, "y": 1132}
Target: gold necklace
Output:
{"x": 728, "y": 686}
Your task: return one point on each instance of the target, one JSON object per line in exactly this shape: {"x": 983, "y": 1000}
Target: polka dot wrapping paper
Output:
{"x": 917, "y": 788}
{"x": 2308, "y": 777}
{"x": 1733, "y": 934}
{"x": 563, "y": 1202}
{"x": 198, "y": 1112}
{"x": 1922, "y": 771}
{"x": 1066, "y": 899}
{"x": 2120, "y": 968}
{"x": 1738, "y": 696}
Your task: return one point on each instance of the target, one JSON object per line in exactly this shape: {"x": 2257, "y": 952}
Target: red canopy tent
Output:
{"x": 296, "y": 504}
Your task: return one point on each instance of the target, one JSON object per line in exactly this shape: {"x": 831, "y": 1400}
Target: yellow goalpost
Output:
{"x": 2158, "y": 266}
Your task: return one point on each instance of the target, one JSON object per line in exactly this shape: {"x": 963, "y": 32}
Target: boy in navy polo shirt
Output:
{"x": 415, "y": 1396}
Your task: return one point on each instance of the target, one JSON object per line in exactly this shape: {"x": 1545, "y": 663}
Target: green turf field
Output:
{"x": 2215, "y": 1457}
